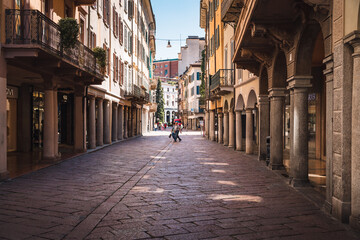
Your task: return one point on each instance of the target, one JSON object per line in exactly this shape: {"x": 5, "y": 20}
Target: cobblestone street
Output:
{"x": 150, "y": 187}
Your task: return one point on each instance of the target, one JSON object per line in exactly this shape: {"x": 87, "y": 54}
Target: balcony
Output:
{"x": 137, "y": 95}
{"x": 222, "y": 82}
{"x": 231, "y": 9}
{"x": 84, "y": 2}
{"x": 33, "y": 42}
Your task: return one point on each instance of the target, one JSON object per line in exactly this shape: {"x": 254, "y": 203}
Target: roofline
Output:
{"x": 167, "y": 60}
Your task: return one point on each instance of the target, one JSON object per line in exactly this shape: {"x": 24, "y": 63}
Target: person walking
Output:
{"x": 175, "y": 132}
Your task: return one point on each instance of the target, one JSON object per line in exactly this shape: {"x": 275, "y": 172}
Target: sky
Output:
{"x": 175, "y": 18}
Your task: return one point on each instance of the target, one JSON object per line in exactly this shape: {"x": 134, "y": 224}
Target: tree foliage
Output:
{"x": 160, "y": 112}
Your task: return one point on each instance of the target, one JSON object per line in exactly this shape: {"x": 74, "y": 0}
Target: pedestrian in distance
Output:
{"x": 175, "y": 132}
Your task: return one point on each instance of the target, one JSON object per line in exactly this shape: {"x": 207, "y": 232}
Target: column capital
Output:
{"x": 263, "y": 98}
{"x": 276, "y": 92}
{"x": 299, "y": 81}
{"x": 354, "y": 40}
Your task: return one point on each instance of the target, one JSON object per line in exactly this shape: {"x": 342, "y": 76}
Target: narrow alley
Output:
{"x": 151, "y": 188}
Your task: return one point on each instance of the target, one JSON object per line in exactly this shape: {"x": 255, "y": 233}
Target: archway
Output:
{"x": 309, "y": 62}
{"x": 251, "y": 123}
{"x": 277, "y": 93}
{"x": 263, "y": 112}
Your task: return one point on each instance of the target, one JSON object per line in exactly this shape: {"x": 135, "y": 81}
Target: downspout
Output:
{"x": 234, "y": 67}
{"x": 216, "y": 110}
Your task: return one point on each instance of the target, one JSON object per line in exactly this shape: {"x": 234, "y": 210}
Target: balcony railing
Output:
{"x": 222, "y": 78}
{"x": 31, "y": 27}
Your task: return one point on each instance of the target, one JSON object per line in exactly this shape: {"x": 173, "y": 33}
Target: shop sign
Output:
{"x": 12, "y": 92}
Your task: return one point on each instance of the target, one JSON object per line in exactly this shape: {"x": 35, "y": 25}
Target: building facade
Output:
{"x": 191, "y": 52}
{"x": 170, "y": 90}
{"x": 167, "y": 68}
{"x": 58, "y": 100}
{"x": 301, "y": 93}
{"x": 189, "y": 90}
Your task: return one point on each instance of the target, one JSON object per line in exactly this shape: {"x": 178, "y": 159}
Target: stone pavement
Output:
{"x": 150, "y": 187}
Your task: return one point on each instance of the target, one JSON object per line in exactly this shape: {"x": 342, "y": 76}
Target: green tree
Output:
{"x": 160, "y": 103}
{"x": 202, "y": 85}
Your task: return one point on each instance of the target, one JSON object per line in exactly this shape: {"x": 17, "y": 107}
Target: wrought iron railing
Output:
{"x": 25, "y": 27}
{"x": 222, "y": 78}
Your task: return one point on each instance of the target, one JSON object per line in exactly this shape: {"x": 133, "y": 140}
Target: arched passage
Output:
{"x": 308, "y": 112}
{"x": 277, "y": 93}
{"x": 263, "y": 112}
{"x": 251, "y": 120}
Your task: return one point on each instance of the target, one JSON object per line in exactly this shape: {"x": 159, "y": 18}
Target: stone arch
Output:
{"x": 252, "y": 100}
{"x": 263, "y": 81}
{"x": 240, "y": 105}
{"x": 309, "y": 40}
{"x": 279, "y": 75}
{"x": 226, "y": 106}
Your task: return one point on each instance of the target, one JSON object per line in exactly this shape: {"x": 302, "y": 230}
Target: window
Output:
{"x": 125, "y": 75}
{"x": 92, "y": 40}
{"x": 192, "y": 91}
{"x": 217, "y": 37}
{"x": 82, "y": 30}
{"x": 173, "y": 104}
{"x": 121, "y": 73}
{"x": 167, "y": 103}
{"x": 121, "y": 31}
{"x": 192, "y": 77}
{"x": 166, "y": 65}
{"x": 125, "y": 38}
{"x": 107, "y": 69}
{"x": 197, "y": 90}
{"x": 106, "y": 11}
{"x": 168, "y": 89}
{"x": 166, "y": 72}
{"x": 198, "y": 76}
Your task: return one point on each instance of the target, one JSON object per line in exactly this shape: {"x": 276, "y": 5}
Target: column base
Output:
{"x": 355, "y": 222}
{"x": 276, "y": 166}
{"x": 230, "y": 146}
{"x": 225, "y": 144}
{"x": 300, "y": 182}
{"x": 341, "y": 210}
{"x": 262, "y": 157}
{"x": 327, "y": 207}
{"x": 4, "y": 176}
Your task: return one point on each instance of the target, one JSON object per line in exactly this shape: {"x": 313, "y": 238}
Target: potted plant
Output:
{"x": 100, "y": 55}
{"x": 69, "y": 32}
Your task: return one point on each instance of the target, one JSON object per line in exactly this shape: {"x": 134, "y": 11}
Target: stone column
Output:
{"x": 130, "y": 122}
{"x": 249, "y": 142}
{"x": 239, "y": 141}
{"x": 50, "y": 122}
{"x": 220, "y": 128}
{"x": 206, "y": 120}
{"x": 100, "y": 123}
{"x": 231, "y": 129}
{"x": 212, "y": 125}
{"x": 276, "y": 129}
{"x": 328, "y": 72}
{"x": 114, "y": 128}
{"x": 120, "y": 122}
{"x": 3, "y": 123}
{"x": 92, "y": 123}
{"x": 264, "y": 125}
{"x": 355, "y": 137}
{"x": 226, "y": 128}
{"x": 126, "y": 121}
{"x": 299, "y": 130}
{"x": 107, "y": 136}
{"x": 79, "y": 121}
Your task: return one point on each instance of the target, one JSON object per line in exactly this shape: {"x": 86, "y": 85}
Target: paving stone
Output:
{"x": 150, "y": 188}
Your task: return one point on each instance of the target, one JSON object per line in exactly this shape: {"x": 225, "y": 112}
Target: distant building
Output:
{"x": 189, "y": 94}
{"x": 167, "y": 68}
{"x": 170, "y": 89}
{"x": 191, "y": 52}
